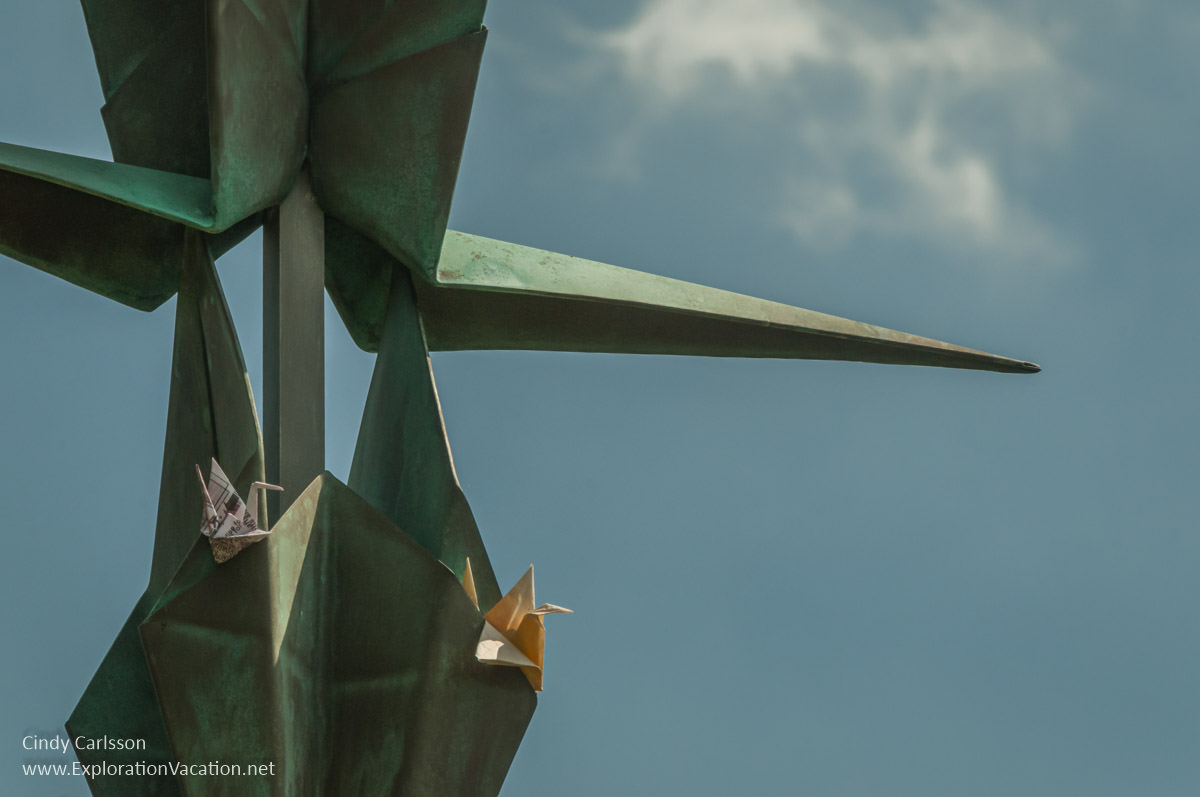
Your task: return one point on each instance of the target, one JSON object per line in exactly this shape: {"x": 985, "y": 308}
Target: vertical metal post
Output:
{"x": 293, "y": 344}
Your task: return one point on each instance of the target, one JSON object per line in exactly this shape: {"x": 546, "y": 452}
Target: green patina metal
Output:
{"x": 210, "y": 414}
{"x": 340, "y": 648}
{"x": 503, "y": 296}
{"x": 376, "y": 96}
{"x": 402, "y": 462}
{"x": 335, "y": 649}
{"x": 399, "y": 196}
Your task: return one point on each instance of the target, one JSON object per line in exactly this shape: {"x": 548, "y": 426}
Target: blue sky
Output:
{"x": 788, "y": 577}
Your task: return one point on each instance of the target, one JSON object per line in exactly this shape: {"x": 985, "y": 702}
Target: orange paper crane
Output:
{"x": 514, "y": 633}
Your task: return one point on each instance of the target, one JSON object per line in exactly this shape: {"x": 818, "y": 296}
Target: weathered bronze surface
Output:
{"x": 506, "y": 296}
{"x": 402, "y": 462}
{"x": 210, "y": 414}
{"x": 341, "y": 649}
{"x": 375, "y": 96}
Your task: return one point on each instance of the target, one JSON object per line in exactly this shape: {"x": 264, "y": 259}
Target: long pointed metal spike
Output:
{"x": 496, "y": 295}
{"x": 176, "y": 197}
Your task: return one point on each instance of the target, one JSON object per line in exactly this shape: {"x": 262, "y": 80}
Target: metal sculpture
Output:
{"x": 342, "y": 647}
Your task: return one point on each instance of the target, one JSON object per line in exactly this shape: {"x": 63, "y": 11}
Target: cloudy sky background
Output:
{"x": 789, "y": 577}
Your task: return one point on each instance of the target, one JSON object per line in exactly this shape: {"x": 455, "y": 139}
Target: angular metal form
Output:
{"x": 222, "y": 91}
{"x": 402, "y": 462}
{"x": 152, "y": 64}
{"x": 167, "y": 195}
{"x": 185, "y": 83}
{"x": 358, "y": 276}
{"x": 496, "y": 295}
{"x": 208, "y": 114}
{"x": 210, "y": 414}
{"x": 349, "y": 38}
{"x": 398, "y": 196}
{"x": 107, "y": 248}
{"x": 340, "y": 650}
{"x": 339, "y": 626}
{"x": 127, "y": 223}
{"x": 257, "y": 103}
{"x": 377, "y": 96}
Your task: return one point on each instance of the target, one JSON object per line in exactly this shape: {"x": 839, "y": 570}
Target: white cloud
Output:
{"x": 927, "y": 109}
{"x": 671, "y": 41}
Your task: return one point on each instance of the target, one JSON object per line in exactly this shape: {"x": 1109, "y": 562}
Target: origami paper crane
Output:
{"x": 346, "y": 628}
{"x": 514, "y": 631}
{"x": 229, "y": 523}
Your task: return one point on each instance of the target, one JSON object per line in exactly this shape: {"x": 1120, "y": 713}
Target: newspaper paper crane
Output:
{"x": 338, "y": 126}
{"x": 229, "y": 523}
